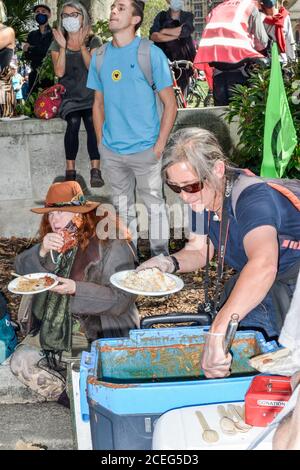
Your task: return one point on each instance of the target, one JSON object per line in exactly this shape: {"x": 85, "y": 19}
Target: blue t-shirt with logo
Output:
{"x": 257, "y": 205}
{"x": 131, "y": 122}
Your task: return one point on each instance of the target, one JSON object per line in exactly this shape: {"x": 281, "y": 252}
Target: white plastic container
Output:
{"x": 180, "y": 429}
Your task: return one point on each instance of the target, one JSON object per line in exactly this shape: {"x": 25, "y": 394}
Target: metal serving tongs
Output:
{"x": 230, "y": 332}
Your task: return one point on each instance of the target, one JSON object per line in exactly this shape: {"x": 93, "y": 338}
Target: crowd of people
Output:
{"x": 250, "y": 225}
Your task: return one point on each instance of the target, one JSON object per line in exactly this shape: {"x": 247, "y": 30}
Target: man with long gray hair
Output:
{"x": 254, "y": 228}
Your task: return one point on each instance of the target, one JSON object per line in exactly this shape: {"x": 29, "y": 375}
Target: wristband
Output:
{"x": 175, "y": 263}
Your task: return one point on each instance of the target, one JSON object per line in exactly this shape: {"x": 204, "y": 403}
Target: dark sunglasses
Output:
{"x": 189, "y": 188}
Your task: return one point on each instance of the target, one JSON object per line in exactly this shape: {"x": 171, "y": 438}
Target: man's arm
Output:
{"x": 98, "y": 115}
{"x": 257, "y": 29}
{"x": 166, "y": 34}
{"x": 256, "y": 278}
{"x": 167, "y": 96}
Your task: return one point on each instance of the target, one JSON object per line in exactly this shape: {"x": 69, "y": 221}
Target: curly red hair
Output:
{"x": 88, "y": 229}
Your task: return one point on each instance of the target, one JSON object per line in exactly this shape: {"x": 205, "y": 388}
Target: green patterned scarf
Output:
{"x": 52, "y": 311}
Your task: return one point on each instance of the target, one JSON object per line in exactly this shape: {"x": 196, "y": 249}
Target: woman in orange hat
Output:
{"x": 83, "y": 249}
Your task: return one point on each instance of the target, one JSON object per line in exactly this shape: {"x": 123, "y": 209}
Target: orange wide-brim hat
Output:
{"x": 67, "y": 197}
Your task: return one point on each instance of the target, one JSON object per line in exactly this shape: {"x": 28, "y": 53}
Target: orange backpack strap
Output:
{"x": 288, "y": 188}
{"x": 293, "y": 198}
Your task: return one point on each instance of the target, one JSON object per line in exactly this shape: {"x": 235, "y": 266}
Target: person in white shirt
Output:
{"x": 278, "y": 26}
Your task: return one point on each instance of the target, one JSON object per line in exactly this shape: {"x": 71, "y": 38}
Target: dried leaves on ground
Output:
{"x": 185, "y": 301}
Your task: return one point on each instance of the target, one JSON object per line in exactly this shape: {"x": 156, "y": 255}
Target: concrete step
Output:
{"x": 12, "y": 391}
{"x": 44, "y": 424}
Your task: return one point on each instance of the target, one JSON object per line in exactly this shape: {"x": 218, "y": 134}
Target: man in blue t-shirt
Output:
{"x": 252, "y": 226}
{"x": 130, "y": 134}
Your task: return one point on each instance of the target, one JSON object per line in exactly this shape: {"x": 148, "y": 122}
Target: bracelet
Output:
{"x": 175, "y": 263}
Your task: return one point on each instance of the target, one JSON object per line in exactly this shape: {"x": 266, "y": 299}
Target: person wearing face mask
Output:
{"x": 37, "y": 45}
{"x": 171, "y": 31}
{"x": 71, "y": 53}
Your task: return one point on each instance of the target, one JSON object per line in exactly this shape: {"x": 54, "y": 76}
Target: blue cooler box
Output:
{"x": 127, "y": 383}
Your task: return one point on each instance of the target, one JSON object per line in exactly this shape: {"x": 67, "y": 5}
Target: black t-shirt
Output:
{"x": 178, "y": 49}
{"x": 257, "y": 205}
{"x": 39, "y": 45}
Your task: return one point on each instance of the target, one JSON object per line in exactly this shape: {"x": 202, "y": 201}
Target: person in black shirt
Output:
{"x": 37, "y": 45}
{"x": 7, "y": 45}
{"x": 171, "y": 31}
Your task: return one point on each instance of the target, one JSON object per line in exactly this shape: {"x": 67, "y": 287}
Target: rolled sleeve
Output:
{"x": 155, "y": 28}
{"x": 160, "y": 69}
{"x": 255, "y": 208}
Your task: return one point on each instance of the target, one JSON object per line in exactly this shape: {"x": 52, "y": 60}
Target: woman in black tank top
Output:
{"x": 6, "y": 55}
{"x": 7, "y": 44}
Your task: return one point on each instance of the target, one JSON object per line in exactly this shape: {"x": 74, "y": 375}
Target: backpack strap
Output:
{"x": 243, "y": 182}
{"x": 292, "y": 197}
{"x": 100, "y": 52}
{"x": 291, "y": 193}
{"x": 144, "y": 60}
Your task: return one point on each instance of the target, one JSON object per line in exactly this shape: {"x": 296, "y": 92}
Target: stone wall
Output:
{"x": 32, "y": 157}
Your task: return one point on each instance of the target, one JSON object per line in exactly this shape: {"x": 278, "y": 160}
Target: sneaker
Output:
{"x": 70, "y": 175}
{"x": 96, "y": 178}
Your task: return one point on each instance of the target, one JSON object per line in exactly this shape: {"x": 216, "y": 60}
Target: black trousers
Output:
{"x": 72, "y": 134}
{"x": 223, "y": 83}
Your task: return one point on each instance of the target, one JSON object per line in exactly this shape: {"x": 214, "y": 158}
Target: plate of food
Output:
{"x": 150, "y": 281}
{"x": 33, "y": 283}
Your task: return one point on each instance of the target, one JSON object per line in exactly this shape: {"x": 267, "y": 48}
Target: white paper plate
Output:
{"x": 117, "y": 278}
{"x": 13, "y": 285}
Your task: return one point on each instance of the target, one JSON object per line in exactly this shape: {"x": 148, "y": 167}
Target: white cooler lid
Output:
{"x": 180, "y": 429}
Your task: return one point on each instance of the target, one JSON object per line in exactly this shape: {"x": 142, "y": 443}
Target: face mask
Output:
{"x": 72, "y": 25}
{"x": 41, "y": 19}
{"x": 176, "y": 5}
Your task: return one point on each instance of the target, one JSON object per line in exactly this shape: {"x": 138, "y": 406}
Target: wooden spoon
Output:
{"x": 238, "y": 420}
{"x": 208, "y": 435}
{"x": 226, "y": 424}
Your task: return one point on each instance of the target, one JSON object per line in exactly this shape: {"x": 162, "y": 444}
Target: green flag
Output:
{"x": 280, "y": 136}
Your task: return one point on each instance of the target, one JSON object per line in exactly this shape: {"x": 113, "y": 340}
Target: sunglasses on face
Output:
{"x": 188, "y": 188}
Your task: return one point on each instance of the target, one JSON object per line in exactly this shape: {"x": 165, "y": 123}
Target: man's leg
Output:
{"x": 147, "y": 170}
{"x": 220, "y": 92}
{"x": 235, "y": 77}
{"x": 119, "y": 175}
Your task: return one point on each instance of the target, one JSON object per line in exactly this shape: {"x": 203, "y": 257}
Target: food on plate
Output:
{"x": 148, "y": 280}
{"x": 25, "y": 284}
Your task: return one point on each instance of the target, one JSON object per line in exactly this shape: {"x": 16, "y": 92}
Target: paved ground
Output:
{"x": 25, "y": 417}
{"x": 44, "y": 424}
